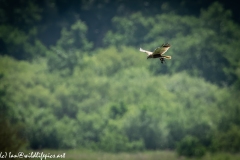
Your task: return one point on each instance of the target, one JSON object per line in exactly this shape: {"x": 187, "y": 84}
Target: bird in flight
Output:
{"x": 158, "y": 52}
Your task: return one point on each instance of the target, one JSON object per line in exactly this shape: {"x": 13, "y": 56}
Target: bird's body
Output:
{"x": 158, "y": 52}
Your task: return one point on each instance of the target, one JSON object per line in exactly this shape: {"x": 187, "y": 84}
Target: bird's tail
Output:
{"x": 168, "y": 57}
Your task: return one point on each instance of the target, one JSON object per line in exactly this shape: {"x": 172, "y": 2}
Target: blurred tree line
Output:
{"x": 72, "y": 76}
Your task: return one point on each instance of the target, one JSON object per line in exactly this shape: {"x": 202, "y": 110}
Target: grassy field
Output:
{"x": 147, "y": 155}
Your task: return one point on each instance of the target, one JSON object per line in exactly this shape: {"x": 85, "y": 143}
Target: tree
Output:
{"x": 189, "y": 146}
{"x": 200, "y": 45}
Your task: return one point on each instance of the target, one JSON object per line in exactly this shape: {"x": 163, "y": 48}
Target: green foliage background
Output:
{"x": 103, "y": 94}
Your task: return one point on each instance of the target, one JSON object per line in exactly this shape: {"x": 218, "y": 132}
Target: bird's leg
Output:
{"x": 161, "y": 59}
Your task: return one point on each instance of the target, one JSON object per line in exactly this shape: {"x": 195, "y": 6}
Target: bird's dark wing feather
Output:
{"x": 161, "y": 50}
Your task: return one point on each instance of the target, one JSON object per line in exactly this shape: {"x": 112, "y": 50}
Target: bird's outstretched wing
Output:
{"x": 161, "y": 50}
{"x": 147, "y": 52}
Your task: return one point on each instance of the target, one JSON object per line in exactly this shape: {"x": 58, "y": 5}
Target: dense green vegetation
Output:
{"x": 76, "y": 92}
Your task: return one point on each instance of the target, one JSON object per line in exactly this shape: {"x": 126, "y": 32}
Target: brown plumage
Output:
{"x": 158, "y": 52}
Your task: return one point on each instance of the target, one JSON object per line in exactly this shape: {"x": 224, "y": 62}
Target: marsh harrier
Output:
{"x": 158, "y": 52}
